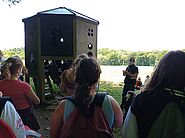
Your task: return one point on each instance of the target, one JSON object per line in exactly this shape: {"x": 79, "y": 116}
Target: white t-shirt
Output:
{"x": 12, "y": 118}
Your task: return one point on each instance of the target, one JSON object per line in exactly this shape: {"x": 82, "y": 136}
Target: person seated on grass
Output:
{"x": 20, "y": 92}
{"x": 11, "y": 124}
{"x": 138, "y": 84}
{"x": 87, "y": 76}
{"x": 147, "y": 78}
{"x": 159, "y": 110}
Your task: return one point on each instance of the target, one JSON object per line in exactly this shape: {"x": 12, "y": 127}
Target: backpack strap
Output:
{"x": 70, "y": 98}
{"x": 3, "y": 101}
{"x": 99, "y": 98}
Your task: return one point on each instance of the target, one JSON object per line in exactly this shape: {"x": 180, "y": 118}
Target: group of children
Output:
{"x": 152, "y": 111}
{"x": 84, "y": 75}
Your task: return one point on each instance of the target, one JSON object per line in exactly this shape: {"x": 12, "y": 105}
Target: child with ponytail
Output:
{"x": 87, "y": 75}
{"x": 20, "y": 92}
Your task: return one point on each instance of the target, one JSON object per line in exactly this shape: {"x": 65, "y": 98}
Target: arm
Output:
{"x": 131, "y": 75}
{"x": 62, "y": 84}
{"x": 124, "y": 73}
{"x": 33, "y": 97}
{"x": 117, "y": 111}
{"x": 63, "y": 87}
{"x": 57, "y": 120}
{"x": 129, "y": 128}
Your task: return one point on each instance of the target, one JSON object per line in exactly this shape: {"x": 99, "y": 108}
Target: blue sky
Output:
{"x": 135, "y": 25}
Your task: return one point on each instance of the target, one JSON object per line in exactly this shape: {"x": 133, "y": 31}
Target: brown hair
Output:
{"x": 10, "y": 66}
{"x": 80, "y": 57}
{"x": 87, "y": 74}
{"x": 169, "y": 73}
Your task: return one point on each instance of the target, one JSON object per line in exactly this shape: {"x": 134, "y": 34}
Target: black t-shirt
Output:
{"x": 131, "y": 69}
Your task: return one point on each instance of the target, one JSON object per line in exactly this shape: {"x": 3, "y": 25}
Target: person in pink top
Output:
{"x": 21, "y": 93}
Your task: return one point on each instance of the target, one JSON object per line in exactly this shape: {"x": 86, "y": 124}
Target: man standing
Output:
{"x": 130, "y": 74}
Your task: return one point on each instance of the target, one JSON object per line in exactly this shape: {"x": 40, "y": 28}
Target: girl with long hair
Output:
{"x": 87, "y": 74}
{"x": 160, "y": 108}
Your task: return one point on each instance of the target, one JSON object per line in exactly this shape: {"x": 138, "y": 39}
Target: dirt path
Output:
{"x": 44, "y": 117}
{"x": 43, "y": 114}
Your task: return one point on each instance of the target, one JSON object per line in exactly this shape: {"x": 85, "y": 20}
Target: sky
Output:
{"x": 133, "y": 25}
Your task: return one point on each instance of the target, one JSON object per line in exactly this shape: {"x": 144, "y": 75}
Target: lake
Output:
{"x": 114, "y": 73}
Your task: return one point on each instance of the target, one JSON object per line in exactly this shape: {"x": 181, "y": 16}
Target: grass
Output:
{"x": 115, "y": 90}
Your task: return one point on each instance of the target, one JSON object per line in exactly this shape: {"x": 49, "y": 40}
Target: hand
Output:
{"x": 124, "y": 72}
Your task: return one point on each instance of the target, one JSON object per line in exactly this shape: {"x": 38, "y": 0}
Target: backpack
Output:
{"x": 171, "y": 122}
{"x": 79, "y": 126}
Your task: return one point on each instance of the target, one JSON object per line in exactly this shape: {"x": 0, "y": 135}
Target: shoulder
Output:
{"x": 2, "y": 81}
{"x": 110, "y": 98}
{"x": 150, "y": 102}
{"x": 23, "y": 84}
{"x": 60, "y": 107}
{"x": 9, "y": 105}
{"x": 135, "y": 67}
{"x": 58, "y": 114}
{"x": 113, "y": 103}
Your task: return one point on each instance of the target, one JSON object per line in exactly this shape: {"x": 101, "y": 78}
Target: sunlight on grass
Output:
{"x": 115, "y": 90}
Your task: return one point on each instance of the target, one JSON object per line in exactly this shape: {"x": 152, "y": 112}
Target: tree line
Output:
{"x": 14, "y": 52}
{"x": 108, "y": 56}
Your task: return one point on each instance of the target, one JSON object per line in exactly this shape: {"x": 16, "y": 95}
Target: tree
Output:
{"x": 12, "y": 2}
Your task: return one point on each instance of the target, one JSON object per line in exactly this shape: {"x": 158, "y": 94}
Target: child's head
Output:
{"x": 87, "y": 72}
{"x": 86, "y": 78}
{"x": 79, "y": 58}
{"x": 12, "y": 67}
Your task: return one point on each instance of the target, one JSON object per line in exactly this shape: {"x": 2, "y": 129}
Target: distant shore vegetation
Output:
{"x": 108, "y": 56}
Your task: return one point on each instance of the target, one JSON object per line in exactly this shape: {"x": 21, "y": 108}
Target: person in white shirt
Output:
{"x": 12, "y": 118}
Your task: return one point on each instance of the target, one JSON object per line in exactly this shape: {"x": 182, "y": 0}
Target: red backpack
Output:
{"x": 79, "y": 126}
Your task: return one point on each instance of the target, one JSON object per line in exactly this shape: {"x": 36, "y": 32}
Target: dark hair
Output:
{"x": 87, "y": 74}
{"x": 169, "y": 73}
{"x": 77, "y": 60}
{"x": 10, "y": 66}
